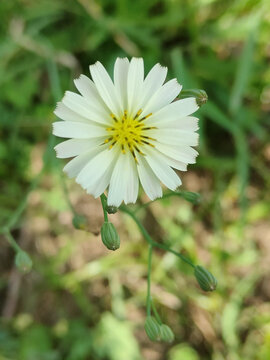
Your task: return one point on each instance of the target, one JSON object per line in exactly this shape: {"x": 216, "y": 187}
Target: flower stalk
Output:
{"x": 150, "y": 241}
{"x": 148, "y": 298}
{"x": 200, "y": 95}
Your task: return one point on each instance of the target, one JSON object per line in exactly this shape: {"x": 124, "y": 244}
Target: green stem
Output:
{"x": 148, "y": 297}
{"x": 103, "y": 199}
{"x": 156, "y": 313}
{"x": 166, "y": 195}
{"x": 12, "y": 241}
{"x": 150, "y": 202}
{"x": 13, "y": 220}
{"x": 148, "y": 238}
{"x": 166, "y": 248}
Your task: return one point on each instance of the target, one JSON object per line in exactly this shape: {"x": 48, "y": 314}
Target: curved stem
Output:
{"x": 148, "y": 298}
{"x": 148, "y": 238}
{"x": 104, "y": 203}
{"x": 167, "y": 248}
{"x": 166, "y": 195}
{"x": 12, "y": 241}
{"x": 156, "y": 313}
{"x": 182, "y": 194}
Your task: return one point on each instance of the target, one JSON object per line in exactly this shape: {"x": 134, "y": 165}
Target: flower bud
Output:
{"x": 111, "y": 209}
{"x": 206, "y": 280}
{"x": 79, "y": 222}
{"x": 166, "y": 333}
{"x": 109, "y": 236}
{"x": 200, "y": 95}
{"x": 23, "y": 262}
{"x": 152, "y": 328}
{"x": 192, "y": 197}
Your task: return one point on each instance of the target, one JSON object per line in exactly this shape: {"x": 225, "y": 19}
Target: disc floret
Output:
{"x": 130, "y": 133}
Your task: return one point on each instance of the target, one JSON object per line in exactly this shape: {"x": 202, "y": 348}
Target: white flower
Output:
{"x": 125, "y": 131}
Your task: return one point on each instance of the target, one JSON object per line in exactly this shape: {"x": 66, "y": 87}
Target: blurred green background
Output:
{"x": 80, "y": 301}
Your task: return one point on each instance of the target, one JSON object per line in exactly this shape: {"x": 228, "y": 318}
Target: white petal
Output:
{"x": 174, "y": 111}
{"x": 135, "y": 84}
{"x": 64, "y": 113}
{"x": 153, "y": 83}
{"x": 79, "y": 104}
{"x": 74, "y": 166}
{"x": 88, "y": 89}
{"x": 188, "y": 123}
{"x": 124, "y": 181}
{"x": 115, "y": 193}
{"x": 120, "y": 80}
{"x": 176, "y": 164}
{"x": 69, "y": 129}
{"x": 131, "y": 180}
{"x": 74, "y": 147}
{"x": 148, "y": 179}
{"x": 97, "y": 188}
{"x": 164, "y": 96}
{"x": 183, "y": 153}
{"x": 174, "y": 136}
{"x": 162, "y": 170}
{"x": 94, "y": 170}
{"x": 105, "y": 87}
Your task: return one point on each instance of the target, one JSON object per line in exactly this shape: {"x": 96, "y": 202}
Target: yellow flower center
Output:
{"x": 130, "y": 133}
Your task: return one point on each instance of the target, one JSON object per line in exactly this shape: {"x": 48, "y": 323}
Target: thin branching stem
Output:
{"x": 11, "y": 241}
{"x": 148, "y": 297}
{"x": 156, "y": 313}
{"x": 148, "y": 238}
{"x": 166, "y": 195}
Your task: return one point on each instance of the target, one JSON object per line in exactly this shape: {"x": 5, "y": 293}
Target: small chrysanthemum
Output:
{"x": 126, "y": 131}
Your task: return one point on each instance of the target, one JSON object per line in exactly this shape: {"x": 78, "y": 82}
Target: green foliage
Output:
{"x": 114, "y": 340}
{"x": 183, "y": 351}
{"x": 218, "y": 46}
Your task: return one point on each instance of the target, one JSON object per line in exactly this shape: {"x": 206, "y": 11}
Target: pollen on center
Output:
{"x": 130, "y": 133}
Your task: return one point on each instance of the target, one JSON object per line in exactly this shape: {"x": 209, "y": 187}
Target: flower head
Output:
{"x": 126, "y": 131}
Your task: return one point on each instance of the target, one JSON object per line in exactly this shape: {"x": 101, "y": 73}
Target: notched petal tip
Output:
{"x": 121, "y": 59}
{"x": 162, "y": 67}
{"x": 58, "y": 105}
{"x": 80, "y": 77}
{"x": 67, "y": 172}
{"x": 79, "y": 182}
{"x": 53, "y": 127}
{"x": 66, "y": 94}
{"x": 195, "y": 103}
{"x": 159, "y": 196}
{"x": 136, "y": 58}
{"x": 96, "y": 64}
{"x": 178, "y": 84}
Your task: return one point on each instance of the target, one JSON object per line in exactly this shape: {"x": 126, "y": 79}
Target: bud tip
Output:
{"x": 205, "y": 279}
{"x": 109, "y": 236}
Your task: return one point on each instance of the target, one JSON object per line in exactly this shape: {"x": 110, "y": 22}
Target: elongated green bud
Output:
{"x": 206, "y": 280}
{"x": 192, "y": 197}
{"x": 166, "y": 333}
{"x": 111, "y": 209}
{"x": 152, "y": 328}
{"x": 109, "y": 236}
{"x": 23, "y": 262}
{"x": 79, "y": 222}
{"x": 200, "y": 95}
